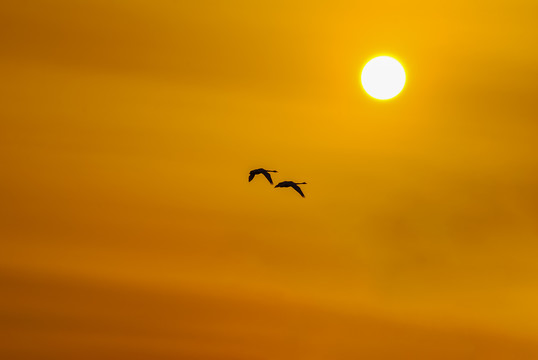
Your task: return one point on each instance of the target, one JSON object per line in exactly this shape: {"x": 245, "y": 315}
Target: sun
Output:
{"x": 383, "y": 77}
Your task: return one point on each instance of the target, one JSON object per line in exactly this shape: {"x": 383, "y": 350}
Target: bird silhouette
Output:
{"x": 261, "y": 171}
{"x": 293, "y": 185}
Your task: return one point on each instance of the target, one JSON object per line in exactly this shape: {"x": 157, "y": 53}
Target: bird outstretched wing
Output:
{"x": 251, "y": 176}
{"x": 268, "y": 176}
{"x": 298, "y": 189}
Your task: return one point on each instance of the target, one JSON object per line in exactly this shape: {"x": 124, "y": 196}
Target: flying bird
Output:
{"x": 261, "y": 171}
{"x": 293, "y": 185}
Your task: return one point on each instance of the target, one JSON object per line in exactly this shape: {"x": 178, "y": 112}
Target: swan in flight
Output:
{"x": 293, "y": 185}
{"x": 261, "y": 171}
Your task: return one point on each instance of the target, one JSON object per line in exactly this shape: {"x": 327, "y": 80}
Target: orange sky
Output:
{"x": 128, "y": 228}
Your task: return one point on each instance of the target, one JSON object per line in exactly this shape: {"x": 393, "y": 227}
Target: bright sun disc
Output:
{"x": 383, "y": 77}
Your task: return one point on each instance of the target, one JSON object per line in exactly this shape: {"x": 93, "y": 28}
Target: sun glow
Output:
{"x": 383, "y": 77}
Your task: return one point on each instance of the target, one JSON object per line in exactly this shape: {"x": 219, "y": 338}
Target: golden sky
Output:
{"x": 128, "y": 229}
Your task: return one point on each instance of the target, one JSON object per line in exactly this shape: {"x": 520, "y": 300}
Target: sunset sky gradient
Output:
{"x": 128, "y": 229}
